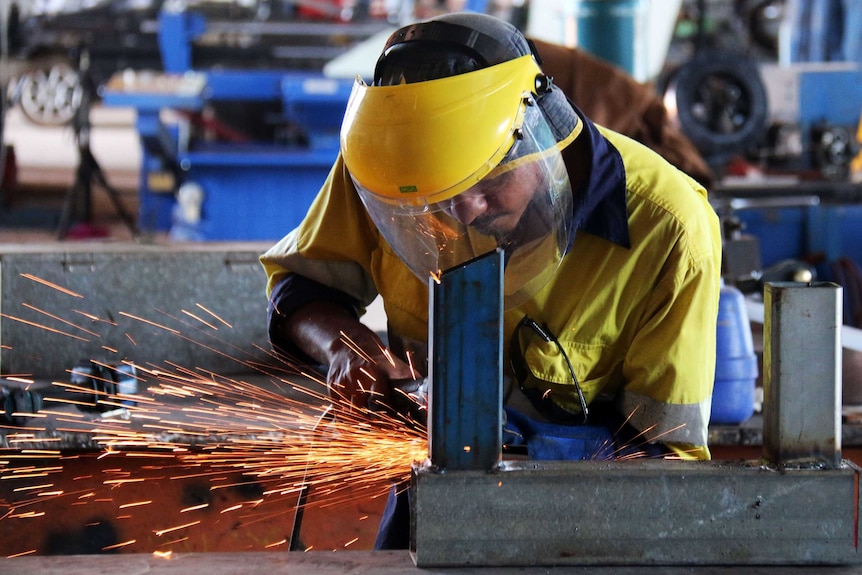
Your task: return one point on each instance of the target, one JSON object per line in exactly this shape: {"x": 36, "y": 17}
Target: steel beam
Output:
{"x": 465, "y": 405}
{"x": 802, "y": 373}
{"x": 645, "y": 512}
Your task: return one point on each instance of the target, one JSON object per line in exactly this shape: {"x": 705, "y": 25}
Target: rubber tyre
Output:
{"x": 720, "y": 102}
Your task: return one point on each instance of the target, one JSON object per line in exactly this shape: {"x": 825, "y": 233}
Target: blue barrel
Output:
{"x": 736, "y": 362}
{"x": 609, "y": 29}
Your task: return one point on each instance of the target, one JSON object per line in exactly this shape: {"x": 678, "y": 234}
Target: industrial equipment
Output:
{"x": 732, "y": 88}
{"x": 17, "y": 404}
{"x": 795, "y": 204}
{"x": 815, "y": 109}
{"x": 251, "y": 147}
{"x": 95, "y": 386}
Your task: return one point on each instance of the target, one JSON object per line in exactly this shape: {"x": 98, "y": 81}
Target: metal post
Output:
{"x": 466, "y": 367}
{"x": 802, "y": 374}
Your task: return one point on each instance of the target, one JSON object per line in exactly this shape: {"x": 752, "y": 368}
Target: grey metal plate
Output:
{"x": 156, "y": 283}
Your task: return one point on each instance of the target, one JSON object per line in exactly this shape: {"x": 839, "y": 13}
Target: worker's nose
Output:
{"x": 468, "y": 206}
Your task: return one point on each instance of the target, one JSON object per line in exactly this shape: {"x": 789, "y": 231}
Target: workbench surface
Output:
{"x": 346, "y": 562}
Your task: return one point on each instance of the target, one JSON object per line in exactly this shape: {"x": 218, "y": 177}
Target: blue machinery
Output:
{"x": 252, "y": 188}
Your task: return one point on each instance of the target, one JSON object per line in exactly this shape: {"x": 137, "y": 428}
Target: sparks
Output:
{"x": 118, "y": 545}
{"x": 355, "y": 347}
{"x": 214, "y": 315}
{"x": 230, "y": 433}
{"x": 161, "y": 532}
{"x": 198, "y": 318}
{"x": 135, "y": 504}
{"x": 60, "y": 319}
{"x": 46, "y": 328}
{"x": 257, "y": 450}
{"x": 51, "y": 285}
{"x": 149, "y": 322}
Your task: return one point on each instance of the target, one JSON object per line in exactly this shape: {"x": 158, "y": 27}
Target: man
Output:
{"x": 461, "y": 145}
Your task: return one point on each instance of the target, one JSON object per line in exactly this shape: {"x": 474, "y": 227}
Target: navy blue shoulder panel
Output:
{"x": 600, "y": 207}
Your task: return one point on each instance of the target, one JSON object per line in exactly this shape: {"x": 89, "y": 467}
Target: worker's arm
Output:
{"x": 314, "y": 323}
{"x": 358, "y": 365}
{"x": 670, "y": 363}
{"x": 318, "y": 283}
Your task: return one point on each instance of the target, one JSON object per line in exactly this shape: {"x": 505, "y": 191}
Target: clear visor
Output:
{"x": 523, "y": 206}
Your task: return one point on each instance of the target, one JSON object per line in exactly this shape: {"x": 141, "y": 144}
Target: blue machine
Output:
{"x": 814, "y": 215}
{"x": 249, "y": 187}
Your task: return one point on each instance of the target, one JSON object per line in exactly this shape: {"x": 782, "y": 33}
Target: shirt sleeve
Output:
{"x": 333, "y": 245}
{"x": 289, "y": 294}
{"x": 670, "y": 366}
{"x": 326, "y": 258}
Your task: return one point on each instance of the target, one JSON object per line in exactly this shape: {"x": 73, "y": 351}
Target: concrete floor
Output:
{"x": 354, "y": 563}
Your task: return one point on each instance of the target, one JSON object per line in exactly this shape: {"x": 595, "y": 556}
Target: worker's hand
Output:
{"x": 408, "y": 400}
{"x": 364, "y": 381}
{"x": 360, "y": 368}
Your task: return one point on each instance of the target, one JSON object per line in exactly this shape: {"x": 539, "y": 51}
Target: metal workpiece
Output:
{"x": 465, "y": 406}
{"x": 107, "y": 286}
{"x": 802, "y": 374}
{"x": 646, "y": 512}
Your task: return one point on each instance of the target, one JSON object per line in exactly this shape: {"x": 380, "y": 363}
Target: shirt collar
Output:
{"x": 600, "y": 205}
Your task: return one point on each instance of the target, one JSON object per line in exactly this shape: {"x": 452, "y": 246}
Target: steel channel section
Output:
{"x": 635, "y": 513}
{"x": 466, "y": 367}
{"x": 802, "y": 373}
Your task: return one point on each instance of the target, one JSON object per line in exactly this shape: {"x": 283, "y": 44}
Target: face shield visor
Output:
{"x": 488, "y": 173}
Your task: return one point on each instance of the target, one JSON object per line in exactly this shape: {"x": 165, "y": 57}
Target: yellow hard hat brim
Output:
{"x": 431, "y": 140}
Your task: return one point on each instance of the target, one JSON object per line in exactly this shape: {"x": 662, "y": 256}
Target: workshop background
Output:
{"x": 152, "y": 149}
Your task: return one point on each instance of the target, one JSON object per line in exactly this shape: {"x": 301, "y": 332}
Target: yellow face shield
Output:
{"x": 523, "y": 206}
{"x": 428, "y": 141}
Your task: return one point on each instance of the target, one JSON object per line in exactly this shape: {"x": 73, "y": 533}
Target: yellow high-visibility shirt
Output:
{"x": 634, "y": 303}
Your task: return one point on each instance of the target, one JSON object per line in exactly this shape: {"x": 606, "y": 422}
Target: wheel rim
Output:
{"x": 51, "y": 96}
{"x": 721, "y": 105}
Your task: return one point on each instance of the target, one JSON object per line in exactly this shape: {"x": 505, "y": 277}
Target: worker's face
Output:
{"x": 497, "y": 204}
{"x": 523, "y": 207}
